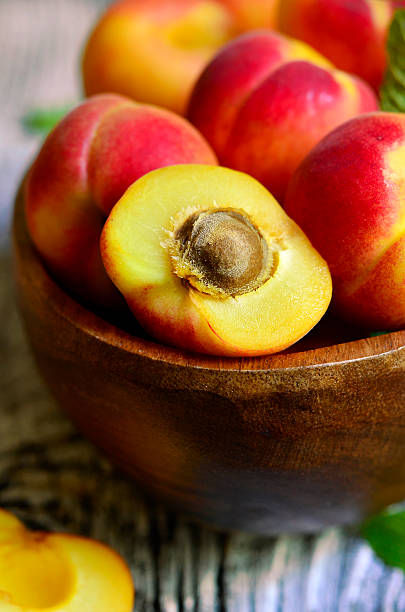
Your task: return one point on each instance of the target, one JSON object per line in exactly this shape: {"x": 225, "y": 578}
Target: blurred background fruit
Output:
{"x": 153, "y": 50}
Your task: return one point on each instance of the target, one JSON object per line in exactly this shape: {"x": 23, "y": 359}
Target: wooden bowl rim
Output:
{"x": 91, "y": 324}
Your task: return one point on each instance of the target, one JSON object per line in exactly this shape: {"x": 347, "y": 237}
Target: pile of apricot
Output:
{"x": 127, "y": 200}
{"x": 128, "y": 206}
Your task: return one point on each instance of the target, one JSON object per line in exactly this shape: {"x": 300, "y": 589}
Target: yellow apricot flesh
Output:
{"x": 59, "y": 572}
{"x": 136, "y": 249}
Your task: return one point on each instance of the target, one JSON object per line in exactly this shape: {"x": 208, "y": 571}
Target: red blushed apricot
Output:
{"x": 233, "y": 74}
{"x": 351, "y": 34}
{"x": 286, "y": 115}
{"x": 83, "y": 168}
{"x": 265, "y": 100}
{"x": 62, "y": 220}
{"x": 208, "y": 261}
{"x": 59, "y": 572}
{"x": 348, "y": 196}
{"x": 129, "y": 143}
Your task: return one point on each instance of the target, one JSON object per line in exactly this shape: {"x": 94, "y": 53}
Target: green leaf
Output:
{"x": 392, "y": 93}
{"x": 42, "y": 121}
{"x": 386, "y": 535}
{"x": 378, "y": 333}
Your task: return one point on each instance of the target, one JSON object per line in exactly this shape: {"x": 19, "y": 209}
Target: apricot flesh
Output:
{"x": 137, "y": 249}
{"x": 59, "y": 572}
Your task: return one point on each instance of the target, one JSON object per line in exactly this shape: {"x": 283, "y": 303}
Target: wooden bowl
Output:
{"x": 290, "y": 442}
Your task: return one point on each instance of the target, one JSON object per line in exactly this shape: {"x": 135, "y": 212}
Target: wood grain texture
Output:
{"x": 291, "y": 442}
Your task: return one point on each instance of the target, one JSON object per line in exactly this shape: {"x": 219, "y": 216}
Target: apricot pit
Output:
{"x": 221, "y": 252}
{"x": 208, "y": 261}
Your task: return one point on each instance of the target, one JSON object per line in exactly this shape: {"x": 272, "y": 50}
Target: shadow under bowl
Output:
{"x": 291, "y": 442}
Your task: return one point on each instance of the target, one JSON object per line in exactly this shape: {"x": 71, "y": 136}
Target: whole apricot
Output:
{"x": 348, "y": 195}
{"x": 83, "y": 168}
{"x": 264, "y": 101}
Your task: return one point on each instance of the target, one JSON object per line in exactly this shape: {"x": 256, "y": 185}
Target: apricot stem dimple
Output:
{"x": 221, "y": 252}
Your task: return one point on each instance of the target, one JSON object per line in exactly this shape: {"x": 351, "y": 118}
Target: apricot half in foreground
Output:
{"x": 59, "y": 572}
{"x": 208, "y": 261}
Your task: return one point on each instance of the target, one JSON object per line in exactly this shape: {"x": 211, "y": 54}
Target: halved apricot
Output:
{"x": 208, "y": 261}
{"x": 59, "y": 572}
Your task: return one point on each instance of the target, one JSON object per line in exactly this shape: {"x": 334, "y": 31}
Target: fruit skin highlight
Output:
{"x": 351, "y": 34}
{"x": 154, "y": 50}
{"x": 83, "y": 168}
{"x": 264, "y": 101}
{"x": 138, "y": 246}
{"x": 59, "y": 572}
{"x": 348, "y": 196}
